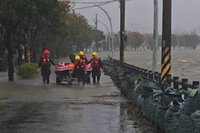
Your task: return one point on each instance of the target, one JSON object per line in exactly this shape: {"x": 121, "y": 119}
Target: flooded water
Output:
{"x": 31, "y": 107}
{"x": 56, "y": 117}
{"x": 185, "y": 63}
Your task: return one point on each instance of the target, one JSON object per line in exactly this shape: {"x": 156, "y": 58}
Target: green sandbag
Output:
{"x": 135, "y": 97}
{"x": 143, "y": 89}
{"x": 136, "y": 94}
{"x": 173, "y": 127}
{"x": 192, "y": 103}
{"x": 185, "y": 125}
{"x": 130, "y": 94}
{"x": 146, "y": 108}
{"x": 140, "y": 101}
{"x": 197, "y": 100}
{"x": 152, "y": 109}
{"x": 168, "y": 120}
{"x": 159, "y": 117}
{"x": 174, "y": 107}
{"x": 151, "y": 85}
{"x": 197, "y": 128}
{"x": 189, "y": 106}
{"x": 196, "y": 120}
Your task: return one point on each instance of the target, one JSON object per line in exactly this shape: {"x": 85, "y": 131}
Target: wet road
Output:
{"x": 57, "y": 117}
{"x": 33, "y": 108}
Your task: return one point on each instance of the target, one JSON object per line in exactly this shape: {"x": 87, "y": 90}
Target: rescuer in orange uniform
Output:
{"x": 79, "y": 70}
{"x": 96, "y": 67}
{"x": 83, "y": 56}
{"x": 45, "y": 64}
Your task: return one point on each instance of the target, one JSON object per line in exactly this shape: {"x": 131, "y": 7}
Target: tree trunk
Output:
{"x": 20, "y": 54}
{"x": 33, "y": 45}
{"x": 34, "y": 56}
{"x": 26, "y": 54}
{"x": 9, "y": 47}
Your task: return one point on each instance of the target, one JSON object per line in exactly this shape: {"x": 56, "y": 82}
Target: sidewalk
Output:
{"x": 32, "y": 107}
{"x": 3, "y": 76}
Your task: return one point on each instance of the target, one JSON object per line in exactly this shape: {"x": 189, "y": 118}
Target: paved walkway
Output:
{"x": 31, "y": 107}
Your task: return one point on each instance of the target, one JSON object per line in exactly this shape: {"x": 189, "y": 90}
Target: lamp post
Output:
{"x": 110, "y": 26}
{"x": 155, "y": 36}
{"x": 107, "y": 31}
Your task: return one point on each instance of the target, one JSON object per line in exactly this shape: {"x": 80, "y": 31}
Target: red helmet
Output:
{"x": 46, "y": 51}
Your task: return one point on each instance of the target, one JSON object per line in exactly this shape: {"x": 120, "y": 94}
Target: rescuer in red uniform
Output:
{"x": 79, "y": 70}
{"x": 45, "y": 64}
{"x": 96, "y": 67}
{"x": 83, "y": 57}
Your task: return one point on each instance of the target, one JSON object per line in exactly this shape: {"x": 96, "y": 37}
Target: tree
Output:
{"x": 135, "y": 39}
{"x": 21, "y": 20}
{"x": 189, "y": 41}
{"x": 79, "y": 33}
{"x": 39, "y": 24}
{"x": 12, "y": 13}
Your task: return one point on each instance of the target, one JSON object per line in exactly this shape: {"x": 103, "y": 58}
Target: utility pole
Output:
{"x": 96, "y": 29}
{"x": 96, "y": 22}
{"x": 155, "y": 36}
{"x": 166, "y": 42}
{"x": 122, "y": 29}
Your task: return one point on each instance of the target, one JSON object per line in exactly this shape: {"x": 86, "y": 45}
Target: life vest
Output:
{"x": 84, "y": 59}
{"x": 46, "y": 61}
{"x": 95, "y": 63}
{"x": 79, "y": 65}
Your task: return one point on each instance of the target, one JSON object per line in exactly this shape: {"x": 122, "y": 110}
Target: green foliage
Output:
{"x": 27, "y": 70}
{"x": 136, "y": 78}
{"x": 189, "y": 41}
{"x": 3, "y": 64}
{"x": 185, "y": 40}
{"x": 41, "y": 24}
{"x": 135, "y": 39}
{"x": 79, "y": 33}
{"x": 2, "y": 104}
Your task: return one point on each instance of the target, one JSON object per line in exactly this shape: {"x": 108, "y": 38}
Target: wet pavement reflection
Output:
{"x": 61, "y": 117}
{"x": 33, "y": 108}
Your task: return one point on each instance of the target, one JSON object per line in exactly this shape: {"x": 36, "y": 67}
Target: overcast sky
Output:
{"x": 139, "y": 15}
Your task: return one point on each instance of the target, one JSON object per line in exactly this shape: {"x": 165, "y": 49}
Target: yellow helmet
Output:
{"x": 77, "y": 57}
{"x": 94, "y": 53}
{"x": 81, "y": 53}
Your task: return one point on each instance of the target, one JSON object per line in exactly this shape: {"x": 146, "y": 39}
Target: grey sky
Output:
{"x": 139, "y": 15}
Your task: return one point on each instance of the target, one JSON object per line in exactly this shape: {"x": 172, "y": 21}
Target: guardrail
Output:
{"x": 174, "y": 81}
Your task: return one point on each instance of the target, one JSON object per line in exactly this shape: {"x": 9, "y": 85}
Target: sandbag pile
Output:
{"x": 164, "y": 106}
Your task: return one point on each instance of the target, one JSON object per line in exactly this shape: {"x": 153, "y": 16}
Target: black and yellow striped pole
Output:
{"x": 166, "y": 42}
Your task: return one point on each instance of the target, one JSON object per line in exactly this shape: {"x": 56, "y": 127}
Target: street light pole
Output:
{"x": 155, "y": 36}
{"x": 110, "y": 26}
{"x": 107, "y": 31}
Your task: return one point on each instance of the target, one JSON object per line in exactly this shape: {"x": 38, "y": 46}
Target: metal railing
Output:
{"x": 174, "y": 81}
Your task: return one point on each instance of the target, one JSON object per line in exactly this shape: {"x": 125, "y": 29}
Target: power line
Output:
{"x": 86, "y": 2}
{"x": 84, "y": 7}
{"x": 93, "y": 2}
